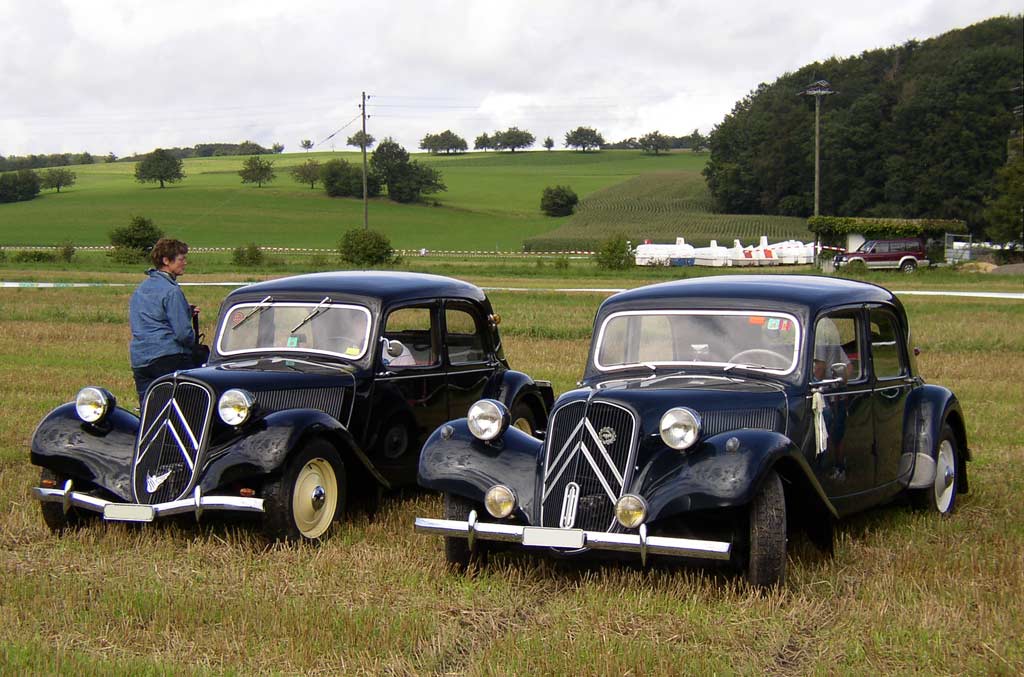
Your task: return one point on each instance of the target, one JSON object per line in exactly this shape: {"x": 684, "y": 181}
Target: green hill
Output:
{"x": 492, "y": 201}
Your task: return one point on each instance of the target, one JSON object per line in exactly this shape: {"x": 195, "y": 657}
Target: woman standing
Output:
{"x": 161, "y": 318}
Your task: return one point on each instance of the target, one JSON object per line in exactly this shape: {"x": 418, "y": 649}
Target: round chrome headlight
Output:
{"x": 500, "y": 501}
{"x": 631, "y": 511}
{"x": 680, "y": 428}
{"x": 92, "y": 403}
{"x": 487, "y": 419}
{"x": 235, "y": 406}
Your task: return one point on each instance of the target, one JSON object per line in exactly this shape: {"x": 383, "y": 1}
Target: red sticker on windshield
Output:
{"x": 237, "y": 317}
{"x": 756, "y": 320}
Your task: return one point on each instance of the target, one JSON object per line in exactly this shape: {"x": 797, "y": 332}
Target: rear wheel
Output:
{"x": 304, "y": 502}
{"x": 457, "y": 550}
{"x": 53, "y": 513}
{"x": 766, "y": 564}
{"x": 941, "y": 496}
{"x": 908, "y": 266}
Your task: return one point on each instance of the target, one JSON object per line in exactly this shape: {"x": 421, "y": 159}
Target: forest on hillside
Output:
{"x": 918, "y": 130}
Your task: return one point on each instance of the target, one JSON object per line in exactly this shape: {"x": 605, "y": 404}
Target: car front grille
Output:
{"x": 172, "y": 441}
{"x": 587, "y": 464}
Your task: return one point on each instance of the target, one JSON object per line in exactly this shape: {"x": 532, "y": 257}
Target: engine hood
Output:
{"x": 272, "y": 373}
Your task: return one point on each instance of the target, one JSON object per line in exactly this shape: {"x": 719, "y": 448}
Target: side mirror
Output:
{"x": 393, "y": 348}
{"x": 839, "y": 370}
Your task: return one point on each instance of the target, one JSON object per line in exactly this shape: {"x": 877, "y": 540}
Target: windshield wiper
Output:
{"x": 261, "y": 306}
{"x": 743, "y": 365}
{"x": 313, "y": 313}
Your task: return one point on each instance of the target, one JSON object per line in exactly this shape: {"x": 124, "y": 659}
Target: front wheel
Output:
{"x": 941, "y": 496}
{"x": 523, "y": 418}
{"x": 766, "y": 565}
{"x": 303, "y": 503}
{"x": 53, "y": 513}
{"x": 457, "y": 550}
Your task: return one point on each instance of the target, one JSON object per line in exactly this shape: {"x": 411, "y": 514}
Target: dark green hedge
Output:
{"x": 842, "y": 225}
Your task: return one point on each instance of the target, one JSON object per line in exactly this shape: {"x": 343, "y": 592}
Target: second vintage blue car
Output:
{"x": 319, "y": 393}
{"x": 715, "y": 415}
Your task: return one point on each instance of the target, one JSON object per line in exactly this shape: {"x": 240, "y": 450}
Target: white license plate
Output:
{"x": 553, "y": 538}
{"x": 128, "y": 512}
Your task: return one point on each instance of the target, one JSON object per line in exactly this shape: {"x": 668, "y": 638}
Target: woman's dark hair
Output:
{"x": 166, "y": 247}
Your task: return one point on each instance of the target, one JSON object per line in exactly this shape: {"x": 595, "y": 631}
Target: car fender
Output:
{"x": 455, "y": 461}
{"x": 96, "y": 454}
{"x": 510, "y": 387}
{"x": 718, "y": 474}
{"x": 928, "y": 409}
{"x": 264, "y": 449}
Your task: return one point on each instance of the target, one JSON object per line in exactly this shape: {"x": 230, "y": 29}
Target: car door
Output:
{"x": 409, "y": 394}
{"x": 846, "y": 467}
{"x": 469, "y": 360}
{"x": 891, "y": 384}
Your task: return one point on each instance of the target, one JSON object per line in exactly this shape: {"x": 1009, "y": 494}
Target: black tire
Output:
{"x": 941, "y": 496}
{"x": 766, "y": 563}
{"x": 286, "y": 515}
{"x": 908, "y": 266}
{"x": 53, "y": 513}
{"x": 456, "y": 550}
{"x": 523, "y": 417}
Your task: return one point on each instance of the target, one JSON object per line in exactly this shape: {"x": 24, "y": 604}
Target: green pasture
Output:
{"x": 492, "y": 202}
{"x": 906, "y": 592}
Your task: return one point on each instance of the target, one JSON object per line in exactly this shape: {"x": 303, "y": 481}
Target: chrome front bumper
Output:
{"x": 141, "y": 512}
{"x": 575, "y": 539}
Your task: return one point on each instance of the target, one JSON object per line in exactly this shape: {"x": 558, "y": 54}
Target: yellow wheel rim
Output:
{"x": 524, "y": 425}
{"x": 315, "y": 498}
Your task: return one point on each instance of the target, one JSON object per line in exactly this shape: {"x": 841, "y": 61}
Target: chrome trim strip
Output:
{"x": 80, "y": 500}
{"x": 568, "y": 443}
{"x": 184, "y": 423}
{"x": 593, "y": 540}
{"x": 597, "y": 472}
{"x": 604, "y": 452}
{"x": 181, "y": 445}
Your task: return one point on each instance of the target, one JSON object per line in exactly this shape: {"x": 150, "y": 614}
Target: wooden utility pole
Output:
{"x": 366, "y": 202}
{"x": 817, "y": 90}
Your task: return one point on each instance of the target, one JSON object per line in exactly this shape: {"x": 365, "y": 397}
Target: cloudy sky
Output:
{"x": 126, "y": 76}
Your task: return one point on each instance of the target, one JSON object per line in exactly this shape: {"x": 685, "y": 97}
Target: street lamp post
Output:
{"x": 817, "y": 90}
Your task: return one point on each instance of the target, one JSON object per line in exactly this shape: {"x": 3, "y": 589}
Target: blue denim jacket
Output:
{"x": 160, "y": 320}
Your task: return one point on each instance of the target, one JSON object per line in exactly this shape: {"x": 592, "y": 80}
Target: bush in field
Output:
{"x": 3, "y": 256}
{"x": 34, "y": 256}
{"x": 361, "y": 247}
{"x": 562, "y": 263}
{"x": 133, "y": 242}
{"x": 614, "y": 254}
{"x": 344, "y": 179}
{"x": 66, "y": 252}
{"x": 558, "y": 201}
{"x": 248, "y": 256}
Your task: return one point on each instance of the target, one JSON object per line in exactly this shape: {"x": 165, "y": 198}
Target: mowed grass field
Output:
{"x": 905, "y": 593}
{"x": 492, "y": 201}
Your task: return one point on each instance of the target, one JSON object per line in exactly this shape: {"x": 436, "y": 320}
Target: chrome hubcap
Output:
{"x": 318, "y": 497}
{"x": 945, "y": 477}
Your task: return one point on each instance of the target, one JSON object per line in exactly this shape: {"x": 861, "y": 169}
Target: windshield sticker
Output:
{"x": 756, "y": 319}
{"x": 237, "y": 317}
{"x": 293, "y": 341}
{"x": 773, "y": 324}
{"x": 352, "y": 350}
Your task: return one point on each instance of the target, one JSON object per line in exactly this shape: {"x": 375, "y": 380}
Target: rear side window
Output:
{"x": 886, "y": 351}
{"x": 464, "y": 340}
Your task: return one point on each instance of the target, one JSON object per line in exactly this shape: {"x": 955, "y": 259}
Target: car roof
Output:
{"x": 812, "y": 292}
{"x": 387, "y": 286}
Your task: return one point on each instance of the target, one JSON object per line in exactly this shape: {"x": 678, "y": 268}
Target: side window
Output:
{"x": 837, "y": 341}
{"x": 886, "y": 353}
{"x": 464, "y": 342}
{"x": 412, "y": 327}
{"x": 882, "y": 248}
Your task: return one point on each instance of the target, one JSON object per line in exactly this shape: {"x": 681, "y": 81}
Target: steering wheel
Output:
{"x": 749, "y": 357}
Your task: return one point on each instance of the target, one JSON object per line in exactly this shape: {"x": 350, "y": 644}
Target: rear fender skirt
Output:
{"x": 468, "y": 467}
{"x": 712, "y": 477}
{"x": 100, "y": 454}
{"x": 266, "y": 444}
{"x": 928, "y": 408}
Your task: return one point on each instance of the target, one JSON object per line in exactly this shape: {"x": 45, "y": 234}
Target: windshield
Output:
{"x": 334, "y": 329}
{"x": 765, "y": 341}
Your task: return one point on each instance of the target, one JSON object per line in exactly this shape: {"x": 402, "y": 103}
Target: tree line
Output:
{"x": 31, "y": 161}
{"x": 919, "y": 130}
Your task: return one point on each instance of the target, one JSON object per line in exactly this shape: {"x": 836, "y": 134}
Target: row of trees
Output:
{"x": 17, "y": 162}
{"x": 919, "y": 130}
{"x": 25, "y": 184}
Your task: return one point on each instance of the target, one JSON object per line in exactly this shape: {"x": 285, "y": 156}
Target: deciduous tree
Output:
{"x": 549, "y": 143}
{"x": 655, "y": 142}
{"x": 257, "y": 170}
{"x": 58, "y": 177}
{"x": 306, "y": 144}
{"x": 512, "y": 138}
{"x": 359, "y": 140}
{"x": 160, "y": 166}
{"x": 307, "y": 172}
{"x": 483, "y": 142}
{"x": 584, "y": 138}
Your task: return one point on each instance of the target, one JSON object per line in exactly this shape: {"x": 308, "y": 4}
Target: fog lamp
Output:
{"x": 487, "y": 419}
{"x": 680, "y": 428}
{"x": 500, "y": 501}
{"x": 235, "y": 406}
{"x": 631, "y": 511}
{"x": 92, "y": 404}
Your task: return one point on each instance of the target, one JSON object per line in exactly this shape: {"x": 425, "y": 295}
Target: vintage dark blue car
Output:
{"x": 714, "y": 416}
{"x": 319, "y": 392}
